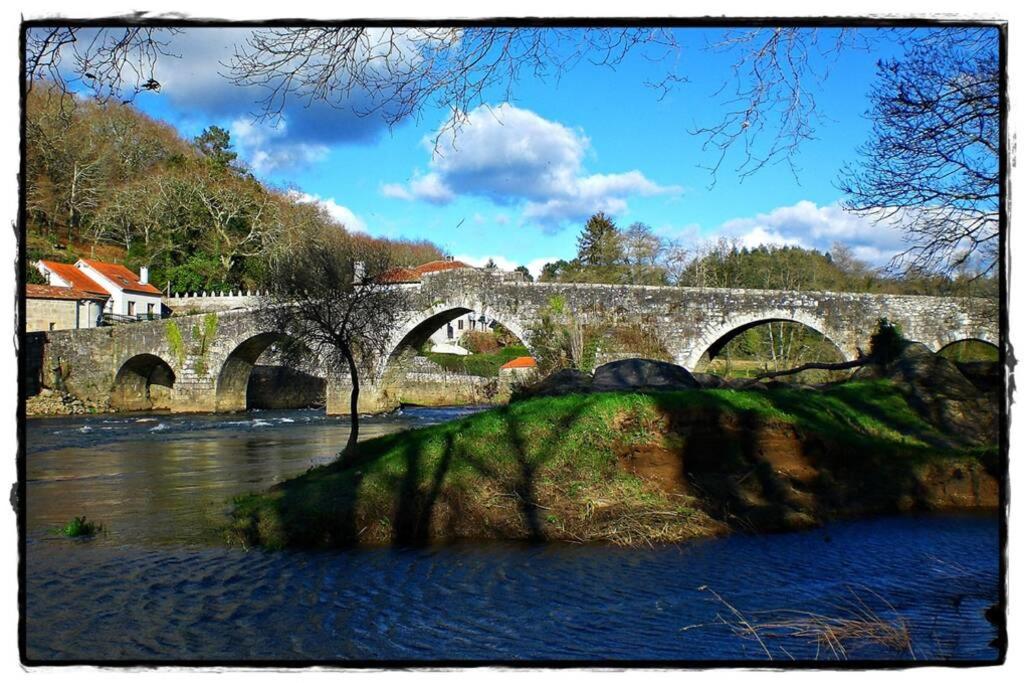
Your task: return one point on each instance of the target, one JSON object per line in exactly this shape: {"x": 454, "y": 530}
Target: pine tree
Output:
{"x": 600, "y": 243}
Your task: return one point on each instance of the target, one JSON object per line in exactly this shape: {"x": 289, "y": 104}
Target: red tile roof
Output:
{"x": 521, "y": 362}
{"x": 122, "y": 277}
{"x": 75, "y": 277}
{"x": 438, "y": 266}
{"x": 70, "y": 293}
{"x": 404, "y": 275}
{"x": 399, "y": 276}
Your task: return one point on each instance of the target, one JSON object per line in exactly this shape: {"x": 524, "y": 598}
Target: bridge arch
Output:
{"x": 233, "y": 375}
{"x": 712, "y": 341}
{"x": 953, "y": 349}
{"x": 416, "y": 329}
{"x": 143, "y": 382}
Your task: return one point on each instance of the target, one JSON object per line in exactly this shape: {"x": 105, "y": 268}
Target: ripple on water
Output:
{"x": 153, "y": 587}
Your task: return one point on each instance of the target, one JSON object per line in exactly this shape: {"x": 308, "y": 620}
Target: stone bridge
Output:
{"x": 201, "y": 362}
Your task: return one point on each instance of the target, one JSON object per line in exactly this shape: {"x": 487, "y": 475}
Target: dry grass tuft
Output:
{"x": 854, "y": 624}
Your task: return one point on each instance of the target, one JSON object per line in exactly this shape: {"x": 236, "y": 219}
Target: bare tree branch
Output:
{"x": 111, "y": 63}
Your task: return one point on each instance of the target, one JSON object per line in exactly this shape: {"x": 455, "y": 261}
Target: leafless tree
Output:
{"x": 396, "y": 72}
{"x": 771, "y": 108}
{"x": 109, "y": 62}
{"x": 642, "y": 251}
{"x": 332, "y": 296}
{"x": 932, "y": 161}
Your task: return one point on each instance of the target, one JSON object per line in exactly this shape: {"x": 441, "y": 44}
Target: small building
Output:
{"x": 61, "y": 308}
{"x": 128, "y": 295}
{"x": 518, "y": 368}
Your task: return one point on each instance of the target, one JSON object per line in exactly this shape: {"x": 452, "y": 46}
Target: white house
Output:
{"x": 130, "y": 294}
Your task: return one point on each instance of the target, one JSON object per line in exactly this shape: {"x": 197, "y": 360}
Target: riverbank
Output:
{"x": 634, "y": 468}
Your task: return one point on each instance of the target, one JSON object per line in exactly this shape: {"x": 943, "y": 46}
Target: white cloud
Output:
{"x": 395, "y": 191}
{"x": 811, "y": 226}
{"x": 341, "y": 214}
{"x": 504, "y": 263}
{"x": 431, "y": 188}
{"x": 268, "y": 148}
{"x": 514, "y": 156}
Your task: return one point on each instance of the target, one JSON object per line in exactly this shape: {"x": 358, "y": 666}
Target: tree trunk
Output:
{"x": 353, "y": 435}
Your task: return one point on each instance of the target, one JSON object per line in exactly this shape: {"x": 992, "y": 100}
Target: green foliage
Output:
{"x": 214, "y": 144}
{"x": 106, "y": 182}
{"x": 209, "y": 328}
{"x": 198, "y": 273}
{"x": 33, "y": 276}
{"x": 204, "y": 336}
{"x": 478, "y": 364}
{"x": 887, "y": 342}
{"x": 571, "y": 446}
{"x": 970, "y": 350}
{"x": 79, "y": 527}
{"x": 175, "y": 341}
{"x": 599, "y": 244}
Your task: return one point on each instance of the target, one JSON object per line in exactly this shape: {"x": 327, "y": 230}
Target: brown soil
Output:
{"x": 765, "y": 475}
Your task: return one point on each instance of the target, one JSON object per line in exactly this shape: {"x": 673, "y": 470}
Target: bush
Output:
{"x": 79, "y": 527}
{"x": 887, "y": 342}
{"x": 480, "y": 342}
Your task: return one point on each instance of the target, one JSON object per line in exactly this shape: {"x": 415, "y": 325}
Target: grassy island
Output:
{"x": 632, "y": 468}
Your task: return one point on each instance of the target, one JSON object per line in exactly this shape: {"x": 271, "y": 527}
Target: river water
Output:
{"x": 159, "y": 583}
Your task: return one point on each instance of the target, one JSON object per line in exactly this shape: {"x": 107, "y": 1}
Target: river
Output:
{"x": 160, "y": 584}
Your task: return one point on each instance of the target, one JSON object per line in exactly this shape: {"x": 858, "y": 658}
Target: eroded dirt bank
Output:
{"x": 637, "y": 468}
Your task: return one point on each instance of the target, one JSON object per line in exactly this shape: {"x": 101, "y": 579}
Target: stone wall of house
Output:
{"x": 40, "y": 314}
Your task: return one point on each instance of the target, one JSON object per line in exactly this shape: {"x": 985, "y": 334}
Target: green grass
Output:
{"x": 970, "y": 350}
{"x": 550, "y": 467}
{"x": 79, "y": 527}
{"x": 479, "y": 364}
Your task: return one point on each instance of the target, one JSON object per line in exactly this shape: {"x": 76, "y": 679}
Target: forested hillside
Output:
{"x": 106, "y": 181}
{"x": 638, "y": 255}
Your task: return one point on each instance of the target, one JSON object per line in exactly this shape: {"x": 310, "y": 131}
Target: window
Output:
{"x": 131, "y": 308}
{"x": 451, "y": 333}
{"x": 460, "y": 324}
{"x": 51, "y": 326}
{"x": 149, "y": 310}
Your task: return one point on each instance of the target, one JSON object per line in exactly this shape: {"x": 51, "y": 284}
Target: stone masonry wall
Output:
{"x": 210, "y": 354}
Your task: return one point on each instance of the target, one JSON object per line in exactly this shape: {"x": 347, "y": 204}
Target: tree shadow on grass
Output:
{"x": 521, "y": 483}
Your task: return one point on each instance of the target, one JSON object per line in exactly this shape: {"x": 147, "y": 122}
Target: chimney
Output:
{"x": 144, "y": 275}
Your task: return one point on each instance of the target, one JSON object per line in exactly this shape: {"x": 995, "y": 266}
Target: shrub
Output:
{"x": 480, "y": 342}
{"x": 887, "y": 342}
{"x": 79, "y": 527}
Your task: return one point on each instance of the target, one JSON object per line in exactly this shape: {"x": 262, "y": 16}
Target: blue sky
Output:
{"x": 522, "y": 176}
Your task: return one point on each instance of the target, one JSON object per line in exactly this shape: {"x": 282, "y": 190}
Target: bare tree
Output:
{"x": 641, "y": 253}
{"x": 770, "y": 102}
{"x": 109, "y": 62}
{"x": 932, "y": 161}
{"x": 395, "y": 72}
{"x": 333, "y": 297}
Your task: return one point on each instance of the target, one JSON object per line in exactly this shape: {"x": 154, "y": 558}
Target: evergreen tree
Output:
{"x": 600, "y": 243}
{"x": 215, "y": 144}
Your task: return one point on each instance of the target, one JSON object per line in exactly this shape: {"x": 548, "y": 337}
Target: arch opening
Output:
{"x": 770, "y": 345}
{"x": 452, "y": 357}
{"x": 970, "y": 350}
{"x": 263, "y": 372}
{"x": 144, "y": 382}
